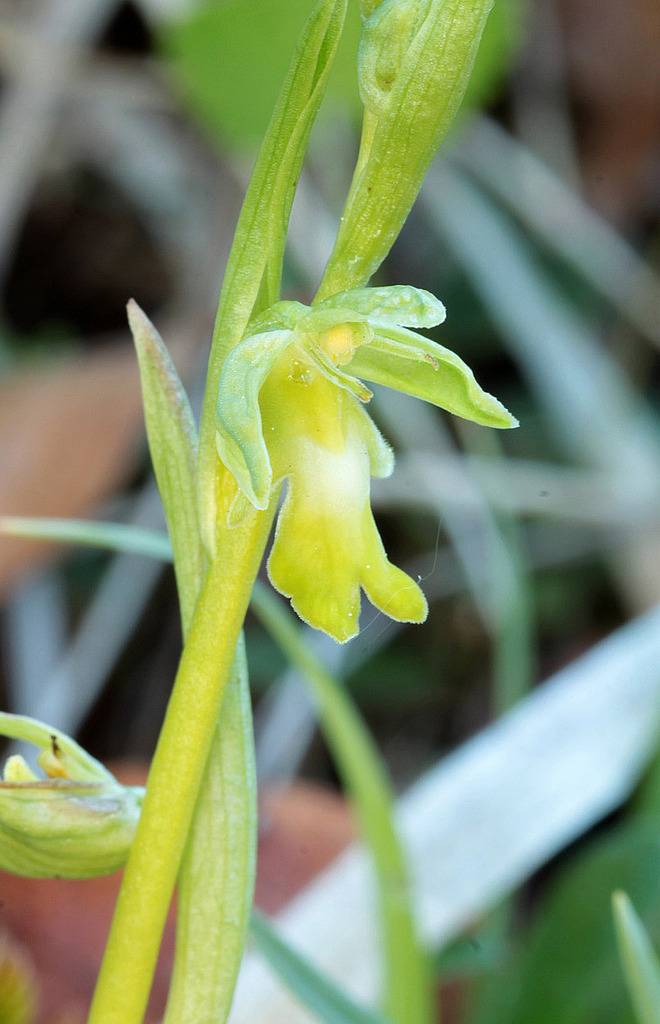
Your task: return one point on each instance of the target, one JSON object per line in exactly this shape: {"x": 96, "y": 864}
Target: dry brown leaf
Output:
{"x": 69, "y": 435}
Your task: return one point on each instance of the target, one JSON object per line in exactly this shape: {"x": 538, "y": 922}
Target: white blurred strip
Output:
{"x": 35, "y": 629}
{"x": 522, "y": 487}
{"x": 70, "y": 690}
{"x": 486, "y": 818}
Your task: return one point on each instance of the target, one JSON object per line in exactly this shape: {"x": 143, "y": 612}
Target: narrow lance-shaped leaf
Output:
{"x": 216, "y": 878}
{"x": 172, "y": 444}
{"x": 640, "y": 962}
{"x": 254, "y": 265}
{"x": 217, "y": 875}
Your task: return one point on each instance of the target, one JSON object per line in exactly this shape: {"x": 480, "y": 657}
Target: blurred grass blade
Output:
{"x": 408, "y": 997}
{"x": 639, "y": 960}
{"x": 87, "y": 533}
{"x": 543, "y": 202}
{"x": 327, "y": 1002}
{"x": 252, "y": 277}
{"x": 510, "y": 585}
{"x": 173, "y": 447}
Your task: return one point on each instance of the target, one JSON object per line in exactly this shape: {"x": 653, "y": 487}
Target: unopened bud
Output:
{"x": 76, "y": 822}
{"x": 385, "y": 40}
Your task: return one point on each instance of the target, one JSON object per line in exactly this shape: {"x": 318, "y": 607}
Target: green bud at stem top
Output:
{"x": 416, "y": 58}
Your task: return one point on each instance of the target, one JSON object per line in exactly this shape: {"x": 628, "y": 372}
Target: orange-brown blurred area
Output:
{"x": 127, "y": 130}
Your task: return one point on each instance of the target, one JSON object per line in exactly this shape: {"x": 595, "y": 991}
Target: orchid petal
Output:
{"x": 408, "y": 362}
{"x": 239, "y": 435}
{"x": 394, "y": 305}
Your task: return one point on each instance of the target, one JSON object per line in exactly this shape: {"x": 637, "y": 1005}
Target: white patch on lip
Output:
{"x": 338, "y": 481}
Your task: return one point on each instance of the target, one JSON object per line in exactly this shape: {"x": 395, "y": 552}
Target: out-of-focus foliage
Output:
{"x": 229, "y": 59}
{"x": 567, "y": 966}
{"x": 638, "y": 959}
{"x": 499, "y": 44}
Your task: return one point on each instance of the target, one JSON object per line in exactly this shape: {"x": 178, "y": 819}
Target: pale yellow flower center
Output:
{"x": 339, "y": 343}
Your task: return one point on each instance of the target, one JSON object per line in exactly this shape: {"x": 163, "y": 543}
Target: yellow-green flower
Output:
{"x": 75, "y": 821}
{"x": 291, "y": 407}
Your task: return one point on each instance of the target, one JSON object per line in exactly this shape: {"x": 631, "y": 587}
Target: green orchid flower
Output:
{"x": 291, "y": 407}
{"x": 74, "y": 821}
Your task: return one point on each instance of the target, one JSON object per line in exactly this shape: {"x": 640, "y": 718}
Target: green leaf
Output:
{"x": 415, "y": 365}
{"x": 173, "y": 447}
{"x": 568, "y": 966}
{"x": 395, "y": 305}
{"x": 240, "y": 440}
{"x": 254, "y": 268}
{"x": 426, "y": 84}
{"x": 639, "y": 960}
{"x": 313, "y": 989}
{"x": 216, "y": 880}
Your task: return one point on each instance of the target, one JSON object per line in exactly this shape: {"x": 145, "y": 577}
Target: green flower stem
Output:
{"x": 408, "y": 995}
{"x": 174, "y": 780}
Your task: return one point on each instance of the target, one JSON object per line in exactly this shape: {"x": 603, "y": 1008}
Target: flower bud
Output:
{"x": 415, "y": 61}
{"x": 75, "y": 822}
{"x": 386, "y": 37}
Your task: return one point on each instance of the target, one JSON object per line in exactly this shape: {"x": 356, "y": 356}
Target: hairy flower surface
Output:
{"x": 291, "y": 407}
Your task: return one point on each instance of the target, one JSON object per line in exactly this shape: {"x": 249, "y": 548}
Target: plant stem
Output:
{"x": 175, "y": 776}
